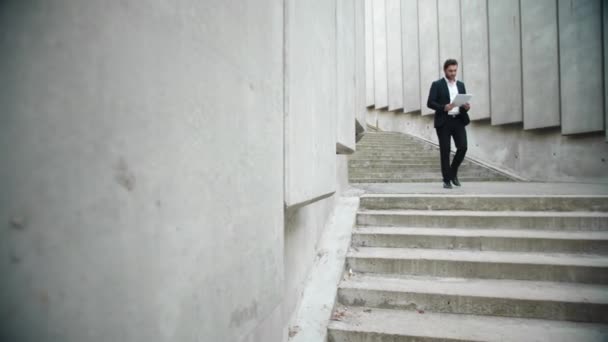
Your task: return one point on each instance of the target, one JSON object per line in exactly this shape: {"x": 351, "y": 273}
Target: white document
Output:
{"x": 461, "y": 99}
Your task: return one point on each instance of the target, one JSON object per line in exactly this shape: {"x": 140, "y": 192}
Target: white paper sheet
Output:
{"x": 461, "y": 99}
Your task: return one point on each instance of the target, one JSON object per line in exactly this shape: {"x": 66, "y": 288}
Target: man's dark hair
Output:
{"x": 449, "y": 62}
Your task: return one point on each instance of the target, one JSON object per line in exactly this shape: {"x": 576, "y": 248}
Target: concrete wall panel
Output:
{"x": 505, "y": 62}
{"x": 394, "y": 59}
{"x": 429, "y": 50}
{"x": 380, "y": 54}
{"x": 449, "y": 32}
{"x": 369, "y": 54}
{"x": 360, "y": 67}
{"x": 345, "y": 87}
{"x": 540, "y": 63}
{"x": 475, "y": 60}
{"x": 580, "y": 53}
{"x": 311, "y": 101}
{"x": 605, "y": 25}
{"x": 411, "y": 56}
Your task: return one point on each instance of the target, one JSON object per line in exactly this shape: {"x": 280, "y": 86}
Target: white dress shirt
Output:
{"x": 453, "y": 92}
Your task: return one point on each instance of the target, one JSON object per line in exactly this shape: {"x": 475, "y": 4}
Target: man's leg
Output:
{"x": 443, "y": 134}
{"x": 460, "y": 140}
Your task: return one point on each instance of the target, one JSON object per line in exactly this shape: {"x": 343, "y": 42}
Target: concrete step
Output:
{"x": 403, "y": 159}
{"x": 576, "y": 268}
{"x": 396, "y": 148}
{"x": 506, "y": 298}
{"x": 366, "y": 143}
{"x": 362, "y": 324}
{"x": 575, "y": 220}
{"x": 391, "y": 162}
{"x": 510, "y": 240}
{"x": 428, "y": 180}
{"x": 385, "y": 153}
{"x": 485, "y": 202}
{"x": 416, "y": 173}
{"x": 374, "y": 167}
{"x": 394, "y": 167}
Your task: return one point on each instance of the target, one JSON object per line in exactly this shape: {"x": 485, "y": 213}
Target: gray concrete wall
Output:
{"x": 411, "y": 55}
{"x": 360, "y": 63}
{"x": 310, "y": 127}
{"x": 541, "y": 155}
{"x": 142, "y": 162}
{"x": 540, "y": 63}
{"x": 605, "y": 50}
{"x": 429, "y": 50}
{"x": 530, "y": 63}
{"x": 370, "y": 94}
{"x": 394, "y": 59}
{"x": 475, "y": 60}
{"x": 169, "y": 168}
{"x": 505, "y": 62}
{"x": 380, "y": 54}
{"x": 450, "y": 44}
{"x": 346, "y": 82}
{"x": 580, "y": 51}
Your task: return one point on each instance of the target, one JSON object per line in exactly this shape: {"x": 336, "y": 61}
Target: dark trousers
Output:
{"x": 453, "y": 127}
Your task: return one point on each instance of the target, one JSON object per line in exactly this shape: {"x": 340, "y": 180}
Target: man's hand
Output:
{"x": 448, "y": 107}
{"x": 466, "y": 106}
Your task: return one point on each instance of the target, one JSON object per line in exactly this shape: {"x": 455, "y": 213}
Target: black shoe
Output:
{"x": 455, "y": 181}
{"x": 447, "y": 185}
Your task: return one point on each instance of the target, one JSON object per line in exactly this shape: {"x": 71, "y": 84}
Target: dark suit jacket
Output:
{"x": 439, "y": 96}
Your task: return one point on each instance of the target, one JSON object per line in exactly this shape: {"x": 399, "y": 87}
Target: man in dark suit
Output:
{"x": 450, "y": 121}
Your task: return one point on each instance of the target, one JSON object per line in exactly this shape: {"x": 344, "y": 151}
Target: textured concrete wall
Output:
{"x": 450, "y": 45}
{"x": 369, "y": 54}
{"x": 540, "y": 63}
{"x": 346, "y": 86}
{"x": 394, "y": 59}
{"x": 580, "y": 53}
{"x": 311, "y": 101}
{"x": 141, "y": 171}
{"x": 475, "y": 59}
{"x": 542, "y": 155}
{"x": 430, "y": 68}
{"x": 303, "y": 228}
{"x": 411, "y": 55}
{"x": 380, "y": 54}
{"x": 505, "y": 62}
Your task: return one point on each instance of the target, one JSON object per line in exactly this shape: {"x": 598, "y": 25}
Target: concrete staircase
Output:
{"x": 396, "y": 157}
{"x": 466, "y": 267}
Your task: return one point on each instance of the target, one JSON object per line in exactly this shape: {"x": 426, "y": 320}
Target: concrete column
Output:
{"x": 345, "y": 87}
{"x": 449, "y": 32}
{"x": 475, "y": 59}
{"x": 360, "y": 67}
{"x": 429, "y": 50}
{"x": 380, "y": 55}
{"x": 310, "y": 165}
{"x": 540, "y": 63}
{"x": 605, "y": 50}
{"x": 410, "y": 55}
{"x": 369, "y": 54}
{"x": 394, "y": 59}
{"x": 505, "y": 62}
{"x": 580, "y": 53}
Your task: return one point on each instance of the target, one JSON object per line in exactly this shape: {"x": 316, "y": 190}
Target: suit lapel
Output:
{"x": 446, "y": 90}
